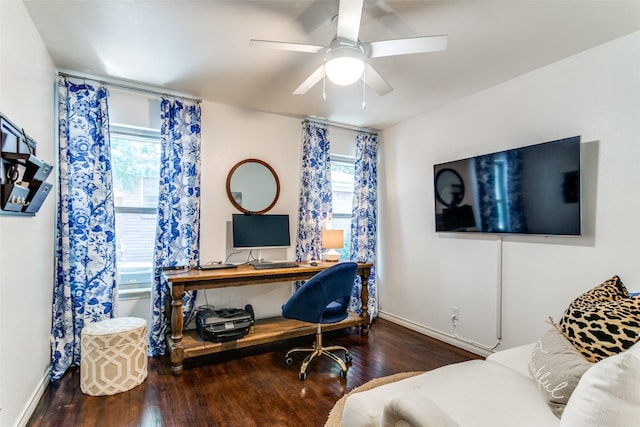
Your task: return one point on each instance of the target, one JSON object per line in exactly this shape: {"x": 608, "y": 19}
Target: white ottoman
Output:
{"x": 113, "y": 356}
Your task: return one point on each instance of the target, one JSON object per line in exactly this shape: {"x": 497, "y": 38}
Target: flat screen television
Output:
{"x": 255, "y": 231}
{"x": 529, "y": 190}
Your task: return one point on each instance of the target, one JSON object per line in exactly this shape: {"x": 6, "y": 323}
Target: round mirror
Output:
{"x": 449, "y": 187}
{"x": 253, "y": 186}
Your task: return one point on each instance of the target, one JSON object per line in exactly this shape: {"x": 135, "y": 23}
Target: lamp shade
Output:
{"x": 332, "y": 240}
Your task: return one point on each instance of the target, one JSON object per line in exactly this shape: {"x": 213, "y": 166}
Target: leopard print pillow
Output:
{"x": 603, "y": 321}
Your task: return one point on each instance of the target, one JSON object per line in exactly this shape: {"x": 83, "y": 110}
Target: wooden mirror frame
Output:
{"x": 230, "y": 194}
{"x": 459, "y": 183}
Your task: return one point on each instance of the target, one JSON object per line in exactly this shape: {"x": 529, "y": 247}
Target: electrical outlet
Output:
{"x": 455, "y": 314}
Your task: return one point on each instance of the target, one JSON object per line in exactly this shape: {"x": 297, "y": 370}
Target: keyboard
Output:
{"x": 270, "y": 265}
{"x": 216, "y": 266}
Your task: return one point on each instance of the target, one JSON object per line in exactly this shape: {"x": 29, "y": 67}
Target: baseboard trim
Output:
{"x": 434, "y": 333}
{"x": 35, "y": 399}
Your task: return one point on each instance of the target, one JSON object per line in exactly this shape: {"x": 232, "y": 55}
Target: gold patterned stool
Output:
{"x": 113, "y": 356}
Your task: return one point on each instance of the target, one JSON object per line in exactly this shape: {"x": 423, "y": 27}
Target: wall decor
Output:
{"x": 22, "y": 175}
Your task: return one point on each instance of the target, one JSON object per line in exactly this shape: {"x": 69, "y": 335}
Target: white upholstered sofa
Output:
{"x": 501, "y": 391}
{"x": 578, "y": 374}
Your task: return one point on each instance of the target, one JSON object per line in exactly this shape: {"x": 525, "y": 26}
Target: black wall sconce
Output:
{"x": 22, "y": 175}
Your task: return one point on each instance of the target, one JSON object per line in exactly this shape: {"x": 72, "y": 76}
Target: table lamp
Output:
{"x": 332, "y": 240}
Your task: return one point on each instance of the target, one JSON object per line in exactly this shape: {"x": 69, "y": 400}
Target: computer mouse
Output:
{"x": 313, "y": 263}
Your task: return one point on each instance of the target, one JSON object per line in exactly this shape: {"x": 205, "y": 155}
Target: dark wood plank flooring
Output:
{"x": 249, "y": 387}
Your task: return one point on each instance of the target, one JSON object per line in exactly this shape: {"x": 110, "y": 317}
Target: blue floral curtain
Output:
{"x": 85, "y": 282}
{"x": 178, "y": 228}
{"x": 315, "y": 209}
{"x": 364, "y": 217}
{"x": 500, "y": 192}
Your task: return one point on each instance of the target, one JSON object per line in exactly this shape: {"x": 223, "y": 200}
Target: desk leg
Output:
{"x": 177, "y": 320}
{"x": 364, "y": 297}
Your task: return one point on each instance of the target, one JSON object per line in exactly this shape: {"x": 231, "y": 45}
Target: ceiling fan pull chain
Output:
{"x": 364, "y": 91}
{"x": 324, "y": 87}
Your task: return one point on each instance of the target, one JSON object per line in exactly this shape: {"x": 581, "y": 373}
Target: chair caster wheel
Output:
{"x": 348, "y": 358}
{"x": 288, "y": 360}
{"x": 343, "y": 374}
{"x": 302, "y": 376}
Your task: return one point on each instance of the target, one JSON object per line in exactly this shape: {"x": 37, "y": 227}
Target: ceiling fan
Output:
{"x": 345, "y": 59}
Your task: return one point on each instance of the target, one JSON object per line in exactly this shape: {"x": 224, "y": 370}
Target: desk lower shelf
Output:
{"x": 265, "y": 331}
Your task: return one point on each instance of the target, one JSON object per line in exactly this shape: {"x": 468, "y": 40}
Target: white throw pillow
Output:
{"x": 608, "y": 394}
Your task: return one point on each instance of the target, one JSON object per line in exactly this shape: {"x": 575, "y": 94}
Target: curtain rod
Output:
{"x": 128, "y": 87}
{"x": 346, "y": 127}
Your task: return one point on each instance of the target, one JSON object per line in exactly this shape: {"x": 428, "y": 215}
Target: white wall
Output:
{"x": 26, "y": 244}
{"x": 230, "y": 135}
{"x": 422, "y": 274}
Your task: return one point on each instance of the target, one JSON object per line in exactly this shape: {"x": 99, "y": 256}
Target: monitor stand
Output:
{"x": 259, "y": 260}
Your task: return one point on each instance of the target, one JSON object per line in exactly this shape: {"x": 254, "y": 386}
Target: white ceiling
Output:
{"x": 201, "y": 48}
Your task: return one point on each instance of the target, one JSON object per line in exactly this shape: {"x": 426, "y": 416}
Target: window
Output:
{"x": 342, "y": 183}
{"x": 500, "y": 191}
{"x": 135, "y": 161}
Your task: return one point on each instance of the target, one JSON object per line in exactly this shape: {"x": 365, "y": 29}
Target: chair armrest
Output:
{"x": 414, "y": 409}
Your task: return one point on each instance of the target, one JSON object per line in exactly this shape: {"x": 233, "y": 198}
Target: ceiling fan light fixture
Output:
{"x": 344, "y": 65}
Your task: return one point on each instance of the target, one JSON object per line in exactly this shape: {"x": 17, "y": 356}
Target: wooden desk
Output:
{"x": 185, "y": 344}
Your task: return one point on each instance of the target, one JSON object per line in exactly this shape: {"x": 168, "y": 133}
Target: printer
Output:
{"x": 223, "y": 325}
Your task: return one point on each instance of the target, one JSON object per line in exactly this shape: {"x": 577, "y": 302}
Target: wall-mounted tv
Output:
{"x": 256, "y": 231}
{"x": 528, "y": 190}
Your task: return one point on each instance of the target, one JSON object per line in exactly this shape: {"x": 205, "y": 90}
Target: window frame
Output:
{"x": 143, "y": 288}
{"x": 342, "y": 159}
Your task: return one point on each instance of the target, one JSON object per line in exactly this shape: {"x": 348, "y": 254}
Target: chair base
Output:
{"x": 319, "y": 350}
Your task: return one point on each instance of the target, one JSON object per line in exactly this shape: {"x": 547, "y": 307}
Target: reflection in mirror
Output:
{"x": 449, "y": 187}
{"x": 253, "y": 186}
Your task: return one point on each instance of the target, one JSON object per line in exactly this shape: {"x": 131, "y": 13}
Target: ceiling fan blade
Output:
{"x": 375, "y": 81}
{"x": 309, "y": 48}
{"x": 311, "y": 81}
{"x": 349, "y": 15}
{"x": 315, "y": 15}
{"x": 407, "y": 46}
{"x": 383, "y": 6}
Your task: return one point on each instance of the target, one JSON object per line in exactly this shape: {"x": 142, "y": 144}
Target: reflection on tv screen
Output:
{"x": 528, "y": 190}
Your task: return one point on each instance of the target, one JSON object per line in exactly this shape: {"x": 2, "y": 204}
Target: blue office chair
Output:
{"x": 322, "y": 299}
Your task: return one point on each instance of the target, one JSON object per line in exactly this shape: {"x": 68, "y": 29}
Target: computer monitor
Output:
{"x": 254, "y": 231}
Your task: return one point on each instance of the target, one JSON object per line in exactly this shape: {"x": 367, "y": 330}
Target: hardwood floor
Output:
{"x": 249, "y": 387}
